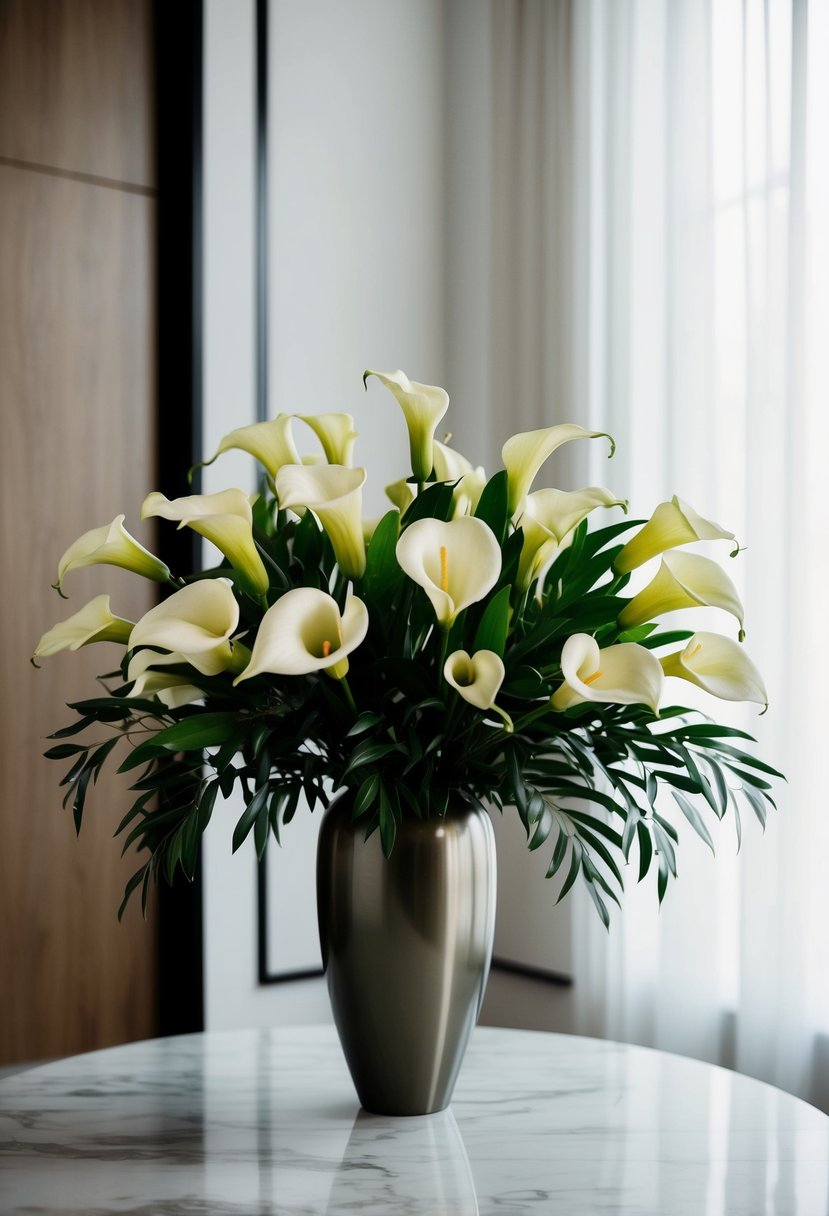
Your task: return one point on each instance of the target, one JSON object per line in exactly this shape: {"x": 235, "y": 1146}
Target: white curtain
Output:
{"x": 650, "y": 256}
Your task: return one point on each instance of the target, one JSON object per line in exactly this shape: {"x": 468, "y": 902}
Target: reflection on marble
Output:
{"x": 267, "y": 1122}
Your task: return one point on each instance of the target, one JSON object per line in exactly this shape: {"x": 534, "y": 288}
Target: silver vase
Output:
{"x": 406, "y": 946}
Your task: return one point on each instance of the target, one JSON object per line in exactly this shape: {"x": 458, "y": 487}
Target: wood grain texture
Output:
{"x": 76, "y": 86}
{"x": 76, "y": 396}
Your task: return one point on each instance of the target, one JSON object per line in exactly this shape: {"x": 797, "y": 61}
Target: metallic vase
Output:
{"x": 406, "y": 947}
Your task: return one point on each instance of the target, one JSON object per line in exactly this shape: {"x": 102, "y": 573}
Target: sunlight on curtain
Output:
{"x": 703, "y": 348}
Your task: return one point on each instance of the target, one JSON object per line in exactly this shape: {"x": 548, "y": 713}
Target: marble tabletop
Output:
{"x": 253, "y": 1122}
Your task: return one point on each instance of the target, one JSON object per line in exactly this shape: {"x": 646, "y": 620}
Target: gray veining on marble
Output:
{"x": 251, "y": 1123}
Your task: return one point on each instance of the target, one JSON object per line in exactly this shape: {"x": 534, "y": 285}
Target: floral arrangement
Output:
{"x": 475, "y": 643}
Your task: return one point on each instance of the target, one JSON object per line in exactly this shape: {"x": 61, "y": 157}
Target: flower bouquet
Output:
{"x": 473, "y": 648}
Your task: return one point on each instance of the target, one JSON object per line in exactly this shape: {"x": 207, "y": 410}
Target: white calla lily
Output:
{"x": 550, "y": 517}
{"x": 720, "y": 666}
{"x": 226, "y": 520}
{"x": 401, "y": 494}
{"x": 149, "y": 679}
{"x": 452, "y": 466}
{"x": 304, "y": 632}
{"x": 684, "y": 580}
{"x": 111, "y": 545}
{"x": 336, "y": 434}
{"x": 672, "y": 523}
{"x": 335, "y": 495}
{"x": 478, "y": 679}
{"x": 196, "y": 622}
{"x": 271, "y": 443}
{"x": 423, "y": 406}
{"x": 456, "y": 563}
{"x": 93, "y": 623}
{"x": 624, "y": 674}
{"x": 525, "y": 453}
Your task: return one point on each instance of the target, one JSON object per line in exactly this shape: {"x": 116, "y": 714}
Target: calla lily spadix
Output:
{"x": 271, "y": 443}
{"x": 226, "y": 520}
{"x": 196, "y": 622}
{"x": 336, "y": 434}
{"x": 93, "y": 623}
{"x": 423, "y": 406}
{"x": 477, "y": 678}
{"x": 304, "y": 632}
{"x": 549, "y": 519}
{"x": 672, "y": 523}
{"x": 525, "y": 453}
{"x": 720, "y": 666}
{"x": 149, "y": 679}
{"x": 111, "y": 545}
{"x": 624, "y": 674}
{"x": 456, "y": 563}
{"x": 684, "y": 580}
{"x": 335, "y": 495}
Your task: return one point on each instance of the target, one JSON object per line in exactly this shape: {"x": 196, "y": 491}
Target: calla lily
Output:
{"x": 197, "y": 623}
{"x": 423, "y": 407}
{"x": 456, "y": 563}
{"x": 111, "y": 545}
{"x": 305, "y": 632}
{"x": 549, "y": 518}
{"x": 172, "y": 690}
{"x": 93, "y": 623}
{"x": 525, "y": 453}
{"x": 672, "y": 523}
{"x": 625, "y": 674}
{"x": 477, "y": 678}
{"x": 684, "y": 580}
{"x": 452, "y": 466}
{"x": 401, "y": 494}
{"x": 336, "y": 434}
{"x": 226, "y": 520}
{"x": 272, "y": 443}
{"x": 720, "y": 666}
{"x": 335, "y": 495}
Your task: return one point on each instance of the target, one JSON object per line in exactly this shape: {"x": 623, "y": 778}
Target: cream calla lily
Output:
{"x": 452, "y": 466}
{"x": 335, "y": 495}
{"x": 196, "y": 622}
{"x": 401, "y": 494}
{"x": 423, "y": 407}
{"x": 525, "y": 453}
{"x": 304, "y": 632}
{"x": 456, "y": 563}
{"x": 478, "y": 679}
{"x": 271, "y": 443}
{"x": 93, "y": 623}
{"x": 720, "y": 666}
{"x": 672, "y": 523}
{"x": 111, "y": 545}
{"x": 149, "y": 679}
{"x": 226, "y": 520}
{"x": 336, "y": 434}
{"x": 684, "y": 580}
{"x": 548, "y": 521}
{"x": 624, "y": 674}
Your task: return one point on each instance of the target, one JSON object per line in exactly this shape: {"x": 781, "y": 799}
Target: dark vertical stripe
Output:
{"x": 262, "y": 210}
{"x": 178, "y": 55}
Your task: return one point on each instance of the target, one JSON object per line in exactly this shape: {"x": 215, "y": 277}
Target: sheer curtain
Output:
{"x": 655, "y": 247}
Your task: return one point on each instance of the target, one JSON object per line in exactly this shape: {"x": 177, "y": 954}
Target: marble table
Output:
{"x": 254, "y": 1122}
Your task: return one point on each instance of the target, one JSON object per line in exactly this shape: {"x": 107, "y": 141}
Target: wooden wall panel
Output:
{"x": 77, "y": 391}
{"x": 75, "y": 86}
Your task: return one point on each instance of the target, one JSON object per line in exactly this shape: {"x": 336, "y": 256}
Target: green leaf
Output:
{"x": 645, "y": 849}
{"x": 493, "y": 505}
{"x": 248, "y": 816}
{"x": 368, "y": 752}
{"x": 191, "y": 734}
{"x": 64, "y": 750}
{"x": 382, "y": 569}
{"x": 136, "y": 880}
{"x": 694, "y": 818}
{"x": 365, "y": 721}
{"x": 492, "y": 631}
{"x": 436, "y": 502}
{"x": 366, "y": 796}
